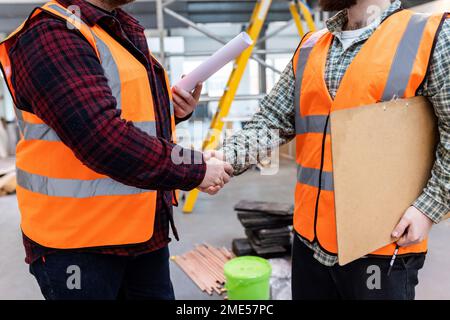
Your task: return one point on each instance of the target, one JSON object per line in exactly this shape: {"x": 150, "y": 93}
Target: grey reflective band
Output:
{"x": 311, "y": 124}
{"x": 109, "y": 65}
{"x": 45, "y": 133}
{"x": 307, "y": 124}
{"x": 405, "y": 57}
{"x": 311, "y": 177}
{"x": 68, "y": 14}
{"x": 74, "y": 188}
{"x": 19, "y": 117}
{"x": 172, "y": 110}
{"x": 107, "y": 60}
{"x": 148, "y": 127}
{"x": 301, "y": 66}
{"x": 111, "y": 70}
{"x": 38, "y": 132}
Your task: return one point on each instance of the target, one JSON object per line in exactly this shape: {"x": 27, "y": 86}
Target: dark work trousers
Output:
{"x": 86, "y": 276}
{"x": 364, "y": 279}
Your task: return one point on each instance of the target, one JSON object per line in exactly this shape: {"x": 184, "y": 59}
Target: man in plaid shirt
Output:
{"x": 315, "y": 272}
{"x": 57, "y": 76}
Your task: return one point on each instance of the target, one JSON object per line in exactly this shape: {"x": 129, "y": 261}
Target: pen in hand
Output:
{"x": 394, "y": 256}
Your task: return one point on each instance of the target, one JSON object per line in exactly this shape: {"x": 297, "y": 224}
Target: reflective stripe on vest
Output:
{"x": 395, "y": 87}
{"x": 309, "y": 123}
{"x": 373, "y": 76}
{"x": 65, "y": 204}
{"x": 71, "y": 188}
{"x": 43, "y": 132}
{"x": 31, "y": 131}
{"x": 311, "y": 177}
{"x": 398, "y": 77}
{"x": 404, "y": 58}
{"x": 107, "y": 60}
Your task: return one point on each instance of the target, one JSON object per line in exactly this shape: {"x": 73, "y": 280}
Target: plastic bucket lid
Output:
{"x": 248, "y": 269}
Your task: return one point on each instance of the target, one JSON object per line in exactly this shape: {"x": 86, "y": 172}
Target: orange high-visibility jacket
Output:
{"x": 63, "y": 203}
{"x": 391, "y": 64}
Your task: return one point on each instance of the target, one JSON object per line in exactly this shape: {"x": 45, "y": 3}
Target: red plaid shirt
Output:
{"x": 57, "y": 76}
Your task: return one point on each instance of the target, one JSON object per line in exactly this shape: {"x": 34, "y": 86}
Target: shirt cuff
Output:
{"x": 433, "y": 209}
{"x": 194, "y": 173}
{"x": 230, "y": 156}
{"x": 180, "y": 120}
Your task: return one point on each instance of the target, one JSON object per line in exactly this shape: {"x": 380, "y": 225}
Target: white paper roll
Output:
{"x": 217, "y": 61}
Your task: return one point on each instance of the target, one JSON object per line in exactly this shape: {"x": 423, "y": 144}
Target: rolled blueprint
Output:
{"x": 217, "y": 61}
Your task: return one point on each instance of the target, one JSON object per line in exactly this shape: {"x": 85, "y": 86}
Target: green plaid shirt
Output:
{"x": 277, "y": 113}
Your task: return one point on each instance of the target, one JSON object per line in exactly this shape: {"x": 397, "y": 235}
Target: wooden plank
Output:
{"x": 210, "y": 266}
{"x": 203, "y": 271}
{"x": 190, "y": 274}
{"x": 204, "y": 266}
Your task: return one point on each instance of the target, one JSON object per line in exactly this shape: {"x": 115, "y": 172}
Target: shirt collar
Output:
{"x": 336, "y": 24}
{"x": 93, "y": 15}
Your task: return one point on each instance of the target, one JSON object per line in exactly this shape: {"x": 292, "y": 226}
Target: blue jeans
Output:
{"x": 87, "y": 276}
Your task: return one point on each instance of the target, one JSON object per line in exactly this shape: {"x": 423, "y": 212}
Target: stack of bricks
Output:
{"x": 268, "y": 227}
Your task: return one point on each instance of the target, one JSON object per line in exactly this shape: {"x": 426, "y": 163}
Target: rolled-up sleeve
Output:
{"x": 435, "y": 199}
{"x": 269, "y": 128}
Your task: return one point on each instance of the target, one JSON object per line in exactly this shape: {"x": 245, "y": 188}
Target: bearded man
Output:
{"x": 97, "y": 164}
{"x": 371, "y": 51}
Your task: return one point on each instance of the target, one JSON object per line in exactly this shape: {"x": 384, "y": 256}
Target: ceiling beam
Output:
{"x": 13, "y": 13}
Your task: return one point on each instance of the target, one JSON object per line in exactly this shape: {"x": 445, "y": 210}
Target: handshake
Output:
{"x": 218, "y": 173}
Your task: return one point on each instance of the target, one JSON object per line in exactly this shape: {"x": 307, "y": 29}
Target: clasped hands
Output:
{"x": 218, "y": 173}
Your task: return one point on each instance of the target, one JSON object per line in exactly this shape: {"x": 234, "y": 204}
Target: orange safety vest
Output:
{"x": 391, "y": 64}
{"x": 63, "y": 203}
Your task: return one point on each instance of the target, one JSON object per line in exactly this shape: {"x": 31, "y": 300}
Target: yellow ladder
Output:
{"x": 296, "y": 7}
{"x": 297, "y": 19}
{"x": 212, "y": 140}
{"x": 257, "y": 20}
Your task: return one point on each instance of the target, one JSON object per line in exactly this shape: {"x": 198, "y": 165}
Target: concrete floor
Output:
{"x": 213, "y": 222}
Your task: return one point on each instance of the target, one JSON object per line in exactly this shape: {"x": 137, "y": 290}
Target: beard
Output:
{"x": 336, "y": 5}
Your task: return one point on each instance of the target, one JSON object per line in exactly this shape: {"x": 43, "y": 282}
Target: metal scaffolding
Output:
{"x": 13, "y": 12}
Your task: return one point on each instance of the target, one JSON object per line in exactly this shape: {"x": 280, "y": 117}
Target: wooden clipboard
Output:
{"x": 382, "y": 159}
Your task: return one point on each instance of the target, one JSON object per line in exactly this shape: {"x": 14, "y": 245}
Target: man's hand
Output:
{"x": 214, "y": 154}
{"x": 413, "y": 228}
{"x": 218, "y": 174}
{"x": 185, "y": 102}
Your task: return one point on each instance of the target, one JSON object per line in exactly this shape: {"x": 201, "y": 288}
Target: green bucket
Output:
{"x": 248, "y": 278}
